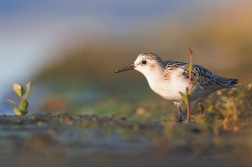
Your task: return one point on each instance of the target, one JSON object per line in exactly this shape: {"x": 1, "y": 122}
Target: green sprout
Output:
{"x": 22, "y": 92}
{"x": 186, "y": 97}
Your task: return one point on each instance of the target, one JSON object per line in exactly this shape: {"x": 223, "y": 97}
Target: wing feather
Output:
{"x": 204, "y": 78}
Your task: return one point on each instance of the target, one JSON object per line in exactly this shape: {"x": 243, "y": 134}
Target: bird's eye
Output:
{"x": 144, "y": 62}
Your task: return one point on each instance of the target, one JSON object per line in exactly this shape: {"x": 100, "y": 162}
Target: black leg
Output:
{"x": 201, "y": 107}
{"x": 180, "y": 118}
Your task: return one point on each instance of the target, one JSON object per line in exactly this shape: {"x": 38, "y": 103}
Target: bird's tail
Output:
{"x": 229, "y": 82}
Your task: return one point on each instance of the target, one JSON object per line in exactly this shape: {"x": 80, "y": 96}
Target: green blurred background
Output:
{"x": 69, "y": 51}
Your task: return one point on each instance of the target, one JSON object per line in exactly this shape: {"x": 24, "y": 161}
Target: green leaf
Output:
{"x": 184, "y": 98}
{"x": 223, "y": 98}
{"x": 18, "y": 89}
{"x": 23, "y": 105}
{"x": 17, "y": 111}
{"x": 187, "y": 91}
{"x": 11, "y": 101}
{"x": 25, "y": 112}
{"x": 27, "y": 90}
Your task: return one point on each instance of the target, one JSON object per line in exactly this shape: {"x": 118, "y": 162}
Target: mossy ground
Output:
{"x": 119, "y": 123}
{"x": 216, "y": 138}
{"x": 134, "y": 133}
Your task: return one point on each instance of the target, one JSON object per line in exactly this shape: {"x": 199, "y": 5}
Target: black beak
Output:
{"x": 129, "y": 67}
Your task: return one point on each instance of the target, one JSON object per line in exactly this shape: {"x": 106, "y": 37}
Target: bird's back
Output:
{"x": 202, "y": 77}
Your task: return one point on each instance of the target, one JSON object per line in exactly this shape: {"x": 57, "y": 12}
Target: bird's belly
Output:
{"x": 169, "y": 90}
{"x": 172, "y": 93}
{"x": 199, "y": 94}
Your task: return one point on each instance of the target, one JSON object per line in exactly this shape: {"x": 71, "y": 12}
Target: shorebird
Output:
{"x": 168, "y": 78}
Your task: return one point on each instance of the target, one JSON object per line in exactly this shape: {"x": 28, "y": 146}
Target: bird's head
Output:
{"x": 145, "y": 63}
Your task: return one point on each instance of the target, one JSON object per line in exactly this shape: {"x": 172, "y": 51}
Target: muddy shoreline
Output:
{"x": 76, "y": 140}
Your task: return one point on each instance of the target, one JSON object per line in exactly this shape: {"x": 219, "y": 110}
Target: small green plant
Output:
{"x": 22, "y": 92}
{"x": 230, "y": 114}
{"x": 186, "y": 97}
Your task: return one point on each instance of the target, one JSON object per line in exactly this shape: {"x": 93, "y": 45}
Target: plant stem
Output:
{"x": 188, "y": 108}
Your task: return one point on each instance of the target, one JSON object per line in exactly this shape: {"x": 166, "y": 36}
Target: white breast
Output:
{"x": 168, "y": 88}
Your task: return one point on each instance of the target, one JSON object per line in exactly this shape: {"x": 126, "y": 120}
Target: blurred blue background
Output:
{"x": 36, "y": 35}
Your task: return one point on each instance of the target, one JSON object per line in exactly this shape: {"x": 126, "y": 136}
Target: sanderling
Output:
{"x": 168, "y": 78}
